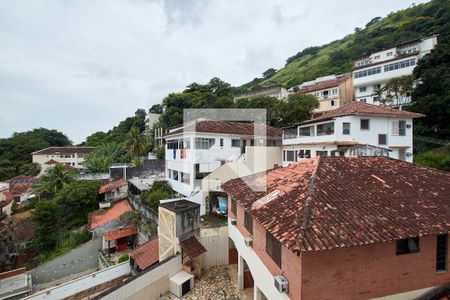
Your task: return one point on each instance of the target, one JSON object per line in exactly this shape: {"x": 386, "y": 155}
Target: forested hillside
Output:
{"x": 379, "y": 33}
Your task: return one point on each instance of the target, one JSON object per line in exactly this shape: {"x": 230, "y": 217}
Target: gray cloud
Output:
{"x": 82, "y": 66}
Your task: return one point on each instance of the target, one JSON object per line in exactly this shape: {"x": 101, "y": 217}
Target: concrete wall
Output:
{"x": 150, "y": 284}
{"x": 78, "y": 285}
{"x": 370, "y": 271}
{"x": 78, "y": 260}
{"x": 215, "y": 241}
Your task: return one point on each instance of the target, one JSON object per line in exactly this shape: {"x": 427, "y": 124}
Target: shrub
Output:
{"x": 123, "y": 257}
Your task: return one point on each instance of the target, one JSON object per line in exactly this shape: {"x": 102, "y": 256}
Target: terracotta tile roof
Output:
{"x": 365, "y": 109}
{"x": 12, "y": 273}
{"x": 99, "y": 218}
{"x": 21, "y": 179}
{"x": 20, "y": 189}
{"x": 109, "y": 186}
{"x": 120, "y": 233}
{"x": 147, "y": 254}
{"x": 335, "y": 202}
{"x": 8, "y": 199}
{"x": 192, "y": 247}
{"x": 51, "y": 162}
{"x": 228, "y": 127}
{"x": 64, "y": 150}
{"x": 323, "y": 85}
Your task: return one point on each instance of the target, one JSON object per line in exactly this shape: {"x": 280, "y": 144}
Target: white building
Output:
{"x": 375, "y": 70}
{"x": 150, "y": 120}
{"x": 356, "y": 128}
{"x": 69, "y": 156}
{"x": 194, "y": 151}
{"x": 276, "y": 91}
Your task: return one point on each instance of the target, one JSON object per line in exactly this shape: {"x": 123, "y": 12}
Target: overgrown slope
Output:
{"x": 337, "y": 57}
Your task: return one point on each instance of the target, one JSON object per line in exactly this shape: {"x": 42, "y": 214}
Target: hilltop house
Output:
{"x": 195, "y": 150}
{"x": 69, "y": 156}
{"x": 373, "y": 71}
{"x": 276, "y": 91}
{"x": 21, "y": 188}
{"x": 332, "y": 91}
{"x": 341, "y": 228}
{"x": 356, "y": 128}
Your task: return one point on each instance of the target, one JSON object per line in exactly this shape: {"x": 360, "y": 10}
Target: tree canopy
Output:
{"x": 99, "y": 160}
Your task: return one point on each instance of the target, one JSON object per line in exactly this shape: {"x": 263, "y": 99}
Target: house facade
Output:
{"x": 276, "y": 91}
{"x": 342, "y": 228}
{"x": 372, "y": 72}
{"x": 194, "y": 151}
{"x": 331, "y": 91}
{"x": 385, "y": 131}
{"x": 69, "y": 156}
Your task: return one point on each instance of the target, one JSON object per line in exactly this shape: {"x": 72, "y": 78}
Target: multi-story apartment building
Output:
{"x": 69, "y": 156}
{"x": 372, "y": 72}
{"x": 331, "y": 91}
{"x": 356, "y": 128}
{"x": 150, "y": 120}
{"x": 341, "y": 228}
{"x": 195, "y": 150}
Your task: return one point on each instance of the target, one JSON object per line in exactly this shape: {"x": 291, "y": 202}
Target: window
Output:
{"x": 368, "y": 72}
{"x": 290, "y": 155}
{"x": 345, "y": 128}
{"x": 406, "y": 246}
{"x": 402, "y": 154}
{"x": 364, "y": 124}
{"x": 402, "y": 128}
{"x": 307, "y": 153}
{"x": 248, "y": 222}
{"x": 334, "y": 91}
{"x": 332, "y": 103}
{"x": 325, "y": 94}
{"x": 376, "y": 57}
{"x": 307, "y": 131}
{"x": 175, "y": 175}
{"x": 204, "y": 143}
{"x": 235, "y": 143}
{"x": 325, "y": 129}
{"x": 233, "y": 207}
{"x": 273, "y": 248}
{"x": 363, "y": 100}
{"x": 400, "y": 65}
{"x": 362, "y": 89}
{"x": 441, "y": 252}
{"x": 185, "y": 178}
{"x": 221, "y": 143}
{"x": 172, "y": 144}
{"x": 198, "y": 174}
{"x": 252, "y": 142}
{"x": 322, "y": 153}
{"x": 382, "y": 139}
{"x": 389, "y": 54}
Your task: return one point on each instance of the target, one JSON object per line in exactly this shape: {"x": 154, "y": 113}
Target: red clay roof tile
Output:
{"x": 120, "y": 233}
{"x": 99, "y": 218}
{"x": 192, "y": 247}
{"x": 337, "y": 202}
{"x": 109, "y": 186}
{"x": 323, "y": 85}
{"x": 147, "y": 254}
{"x": 64, "y": 150}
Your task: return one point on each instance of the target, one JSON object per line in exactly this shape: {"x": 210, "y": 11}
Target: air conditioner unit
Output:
{"x": 408, "y": 126}
{"x": 233, "y": 221}
{"x": 181, "y": 283}
{"x": 248, "y": 241}
{"x": 408, "y": 154}
{"x": 281, "y": 284}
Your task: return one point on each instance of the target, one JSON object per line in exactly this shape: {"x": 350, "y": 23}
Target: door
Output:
{"x": 244, "y": 144}
{"x": 185, "y": 287}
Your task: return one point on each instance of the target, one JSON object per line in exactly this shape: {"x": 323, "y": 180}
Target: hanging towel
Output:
{"x": 174, "y": 153}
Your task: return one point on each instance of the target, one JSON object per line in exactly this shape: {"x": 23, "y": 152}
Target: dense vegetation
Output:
{"x": 160, "y": 190}
{"x": 100, "y": 160}
{"x": 15, "y": 151}
{"x": 436, "y": 158}
{"x": 337, "y": 57}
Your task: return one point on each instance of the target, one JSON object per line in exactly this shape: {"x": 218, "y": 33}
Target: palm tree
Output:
{"x": 136, "y": 142}
{"x": 379, "y": 95}
{"x": 53, "y": 180}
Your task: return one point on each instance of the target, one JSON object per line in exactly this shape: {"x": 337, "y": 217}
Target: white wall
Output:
{"x": 83, "y": 283}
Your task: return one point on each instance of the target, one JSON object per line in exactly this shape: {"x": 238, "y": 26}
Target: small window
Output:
{"x": 441, "y": 252}
{"x": 402, "y": 128}
{"x": 364, "y": 100}
{"x": 362, "y": 89}
{"x": 332, "y": 103}
{"x": 389, "y": 53}
{"x": 364, "y": 124}
{"x": 406, "y": 246}
{"x": 307, "y": 153}
{"x": 345, "y": 128}
{"x": 402, "y": 154}
{"x": 221, "y": 143}
{"x": 235, "y": 143}
{"x": 252, "y": 142}
{"x": 248, "y": 222}
{"x": 322, "y": 153}
{"x": 382, "y": 139}
{"x": 290, "y": 155}
{"x": 273, "y": 248}
{"x": 233, "y": 207}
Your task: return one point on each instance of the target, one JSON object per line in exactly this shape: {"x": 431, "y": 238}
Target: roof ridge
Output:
{"x": 304, "y": 217}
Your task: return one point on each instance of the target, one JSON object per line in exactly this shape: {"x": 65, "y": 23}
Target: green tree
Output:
{"x": 269, "y": 73}
{"x": 136, "y": 142}
{"x": 46, "y": 215}
{"x": 76, "y": 200}
{"x": 399, "y": 87}
{"x": 96, "y": 139}
{"x": 431, "y": 95}
{"x": 298, "y": 108}
{"x": 31, "y": 169}
{"x": 160, "y": 190}
{"x": 99, "y": 160}
{"x": 438, "y": 158}
{"x": 54, "y": 180}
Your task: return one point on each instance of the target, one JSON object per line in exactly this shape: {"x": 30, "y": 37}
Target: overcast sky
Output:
{"x": 82, "y": 66}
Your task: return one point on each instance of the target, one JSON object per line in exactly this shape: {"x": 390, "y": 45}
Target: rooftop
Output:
{"x": 365, "y": 109}
{"x": 192, "y": 247}
{"x": 109, "y": 186}
{"x": 323, "y": 85}
{"x": 180, "y": 205}
{"x": 120, "y": 233}
{"x": 99, "y": 218}
{"x": 147, "y": 254}
{"x": 12, "y": 282}
{"x": 333, "y": 202}
{"x": 64, "y": 150}
{"x": 228, "y": 127}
